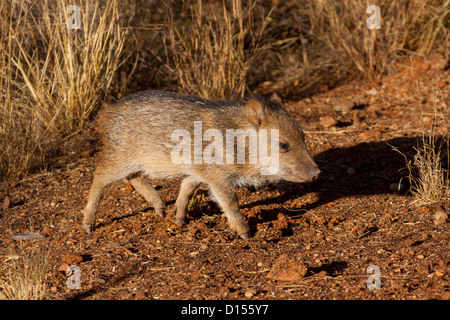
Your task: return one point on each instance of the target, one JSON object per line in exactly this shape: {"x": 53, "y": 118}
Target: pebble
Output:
{"x": 328, "y": 121}
{"x": 440, "y": 217}
{"x": 72, "y": 259}
{"x": 442, "y": 84}
{"x": 285, "y": 269}
{"x": 370, "y": 134}
{"x": 249, "y": 293}
{"x": 446, "y": 295}
{"x": 373, "y": 92}
{"x": 6, "y": 203}
{"x": 28, "y": 236}
{"x": 345, "y": 106}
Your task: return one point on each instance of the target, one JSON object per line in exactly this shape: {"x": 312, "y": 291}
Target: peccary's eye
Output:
{"x": 284, "y": 146}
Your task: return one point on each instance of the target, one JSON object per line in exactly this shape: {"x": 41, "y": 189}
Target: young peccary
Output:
{"x": 164, "y": 135}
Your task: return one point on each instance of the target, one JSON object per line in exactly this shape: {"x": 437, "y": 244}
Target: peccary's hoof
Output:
{"x": 160, "y": 212}
{"x": 180, "y": 222}
{"x": 244, "y": 236}
{"x": 88, "y": 228}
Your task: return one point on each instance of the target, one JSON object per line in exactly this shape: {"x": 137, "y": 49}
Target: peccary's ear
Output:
{"x": 275, "y": 97}
{"x": 254, "y": 111}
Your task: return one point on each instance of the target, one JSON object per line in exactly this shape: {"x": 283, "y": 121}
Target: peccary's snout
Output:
{"x": 314, "y": 173}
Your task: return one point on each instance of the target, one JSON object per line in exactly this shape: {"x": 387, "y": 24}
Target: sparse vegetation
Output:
{"x": 25, "y": 278}
{"x": 52, "y": 78}
{"x": 211, "y": 50}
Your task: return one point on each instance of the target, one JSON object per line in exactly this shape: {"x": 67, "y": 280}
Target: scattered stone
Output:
{"x": 344, "y": 106}
{"x": 446, "y": 295}
{"x": 285, "y": 269}
{"x": 440, "y": 217}
{"x": 370, "y": 134}
{"x": 373, "y": 92}
{"x": 249, "y": 293}
{"x": 128, "y": 187}
{"x": 28, "y": 236}
{"x": 442, "y": 84}
{"x": 351, "y": 171}
{"x": 99, "y": 280}
{"x": 64, "y": 267}
{"x": 328, "y": 121}
{"x": 6, "y": 203}
{"x": 72, "y": 259}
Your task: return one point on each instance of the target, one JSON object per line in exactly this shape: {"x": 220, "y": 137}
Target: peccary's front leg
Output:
{"x": 228, "y": 201}
{"x": 187, "y": 188}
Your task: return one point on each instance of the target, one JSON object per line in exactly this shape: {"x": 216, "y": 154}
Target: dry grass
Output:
{"x": 26, "y": 277}
{"x": 431, "y": 183}
{"x": 429, "y": 170}
{"x": 410, "y": 27}
{"x": 210, "y": 51}
{"x": 52, "y": 78}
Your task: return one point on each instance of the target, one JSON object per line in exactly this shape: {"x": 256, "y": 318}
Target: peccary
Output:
{"x": 141, "y": 138}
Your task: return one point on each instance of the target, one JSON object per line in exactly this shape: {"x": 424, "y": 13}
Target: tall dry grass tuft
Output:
{"x": 25, "y": 279}
{"x": 52, "y": 78}
{"x": 431, "y": 184}
{"x": 411, "y": 27}
{"x": 209, "y": 50}
{"x": 429, "y": 170}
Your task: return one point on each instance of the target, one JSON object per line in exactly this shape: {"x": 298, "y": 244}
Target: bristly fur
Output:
{"x": 137, "y": 137}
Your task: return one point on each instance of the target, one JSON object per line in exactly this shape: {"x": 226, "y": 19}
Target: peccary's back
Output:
{"x": 147, "y": 119}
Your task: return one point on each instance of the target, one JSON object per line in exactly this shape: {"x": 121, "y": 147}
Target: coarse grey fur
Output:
{"x": 136, "y": 134}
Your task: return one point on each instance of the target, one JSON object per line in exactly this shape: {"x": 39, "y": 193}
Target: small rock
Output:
{"x": 351, "y": 171}
{"x": 440, "y": 273}
{"x": 6, "y": 203}
{"x": 286, "y": 269}
{"x": 442, "y": 84}
{"x": 249, "y": 293}
{"x": 440, "y": 217}
{"x": 446, "y": 295}
{"x": 72, "y": 259}
{"x": 328, "y": 121}
{"x": 344, "y": 106}
{"x": 373, "y": 92}
{"x": 64, "y": 267}
{"x": 28, "y": 236}
{"x": 128, "y": 187}
{"x": 370, "y": 134}
{"x": 100, "y": 280}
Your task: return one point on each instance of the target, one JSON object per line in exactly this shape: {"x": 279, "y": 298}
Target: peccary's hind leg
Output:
{"x": 102, "y": 179}
{"x": 143, "y": 187}
{"x": 187, "y": 188}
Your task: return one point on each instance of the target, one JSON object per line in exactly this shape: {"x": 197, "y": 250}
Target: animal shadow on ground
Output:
{"x": 367, "y": 168}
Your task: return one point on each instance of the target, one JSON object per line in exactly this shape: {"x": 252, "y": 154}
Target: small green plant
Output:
{"x": 195, "y": 203}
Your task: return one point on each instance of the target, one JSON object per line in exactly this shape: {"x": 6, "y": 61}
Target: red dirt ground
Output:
{"x": 311, "y": 241}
